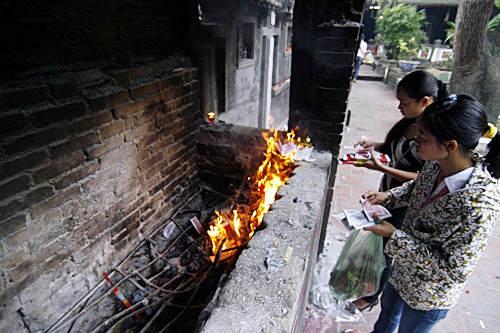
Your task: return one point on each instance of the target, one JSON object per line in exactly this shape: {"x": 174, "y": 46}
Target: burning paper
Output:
{"x": 238, "y": 226}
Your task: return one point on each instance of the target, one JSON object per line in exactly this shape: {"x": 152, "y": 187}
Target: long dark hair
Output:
{"x": 462, "y": 118}
{"x": 417, "y": 85}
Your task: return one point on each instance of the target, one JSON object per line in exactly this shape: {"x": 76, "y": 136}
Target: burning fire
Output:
{"x": 237, "y": 227}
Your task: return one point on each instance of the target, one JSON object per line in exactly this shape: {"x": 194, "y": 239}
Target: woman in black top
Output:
{"x": 415, "y": 92}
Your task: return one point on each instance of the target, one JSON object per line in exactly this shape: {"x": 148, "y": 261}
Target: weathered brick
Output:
{"x": 55, "y": 260}
{"x": 166, "y": 120}
{"x": 59, "y": 166}
{"x": 148, "y": 163}
{"x": 65, "y": 89}
{"x": 99, "y": 225}
{"x": 154, "y": 100}
{"x": 21, "y": 269}
{"x": 14, "y": 186}
{"x": 55, "y": 114}
{"x": 109, "y": 100}
{"x": 90, "y": 78}
{"x": 134, "y": 206}
{"x": 32, "y": 231}
{"x": 170, "y": 168}
{"x": 161, "y": 185}
{"x": 80, "y": 173}
{"x": 12, "y": 225}
{"x": 153, "y": 171}
{"x": 143, "y": 90}
{"x": 100, "y": 149}
{"x": 38, "y": 194}
{"x": 11, "y": 259}
{"x": 149, "y": 139}
{"x": 34, "y": 140}
{"x": 123, "y": 77}
{"x": 73, "y": 145}
{"x": 11, "y": 123}
{"x": 118, "y": 156}
{"x": 38, "y": 291}
{"x": 150, "y": 115}
{"x": 172, "y": 94}
{"x": 129, "y": 108}
{"x": 90, "y": 122}
{"x": 171, "y": 82}
{"x": 57, "y": 200}
{"x": 93, "y": 185}
{"x": 13, "y": 289}
{"x": 125, "y": 227}
{"x": 112, "y": 129}
{"x": 11, "y": 208}
{"x": 182, "y": 132}
{"x": 19, "y": 98}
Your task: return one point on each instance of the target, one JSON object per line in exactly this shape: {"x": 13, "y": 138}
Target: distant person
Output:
{"x": 452, "y": 211}
{"x": 360, "y": 55}
{"x": 415, "y": 92}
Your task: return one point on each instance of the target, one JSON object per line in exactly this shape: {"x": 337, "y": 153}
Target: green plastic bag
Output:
{"x": 359, "y": 267}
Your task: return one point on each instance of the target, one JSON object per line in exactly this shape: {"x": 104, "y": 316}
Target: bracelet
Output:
{"x": 389, "y": 197}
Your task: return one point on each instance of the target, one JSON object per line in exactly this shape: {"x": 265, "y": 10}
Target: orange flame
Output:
{"x": 273, "y": 172}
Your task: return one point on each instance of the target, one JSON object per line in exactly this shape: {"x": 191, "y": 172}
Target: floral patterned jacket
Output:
{"x": 440, "y": 243}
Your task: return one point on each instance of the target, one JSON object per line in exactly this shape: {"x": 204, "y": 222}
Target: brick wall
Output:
{"x": 229, "y": 154}
{"x": 89, "y": 162}
{"x": 325, "y": 42}
{"x": 78, "y": 32}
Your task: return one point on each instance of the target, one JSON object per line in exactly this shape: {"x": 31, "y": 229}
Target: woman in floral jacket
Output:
{"x": 452, "y": 209}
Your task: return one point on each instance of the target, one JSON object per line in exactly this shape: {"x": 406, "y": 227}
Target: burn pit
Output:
{"x": 173, "y": 284}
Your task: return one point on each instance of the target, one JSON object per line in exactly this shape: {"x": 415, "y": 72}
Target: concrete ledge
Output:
{"x": 269, "y": 284}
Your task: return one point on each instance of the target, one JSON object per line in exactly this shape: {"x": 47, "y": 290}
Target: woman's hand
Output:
{"x": 375, "y": 197}
{"x": 372, "y": 164}
{"x": 366, "y": 144}
{"x": 384, "y": 229}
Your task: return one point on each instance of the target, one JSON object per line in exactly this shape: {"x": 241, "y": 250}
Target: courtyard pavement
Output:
{"x": 373, "y": 107}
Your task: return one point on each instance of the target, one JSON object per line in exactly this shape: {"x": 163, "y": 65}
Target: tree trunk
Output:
{"x": 469, "y": 44}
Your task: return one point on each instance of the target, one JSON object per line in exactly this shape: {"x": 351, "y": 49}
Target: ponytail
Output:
{"x": 442, "y": 90}
{"x": 493, "y": 156}
{"x": 462, "y": 118}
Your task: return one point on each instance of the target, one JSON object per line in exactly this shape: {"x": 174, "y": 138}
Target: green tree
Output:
{"x": 401, "y": 29}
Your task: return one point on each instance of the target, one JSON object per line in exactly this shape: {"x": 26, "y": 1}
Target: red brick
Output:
{"x": 112, "y": 129}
